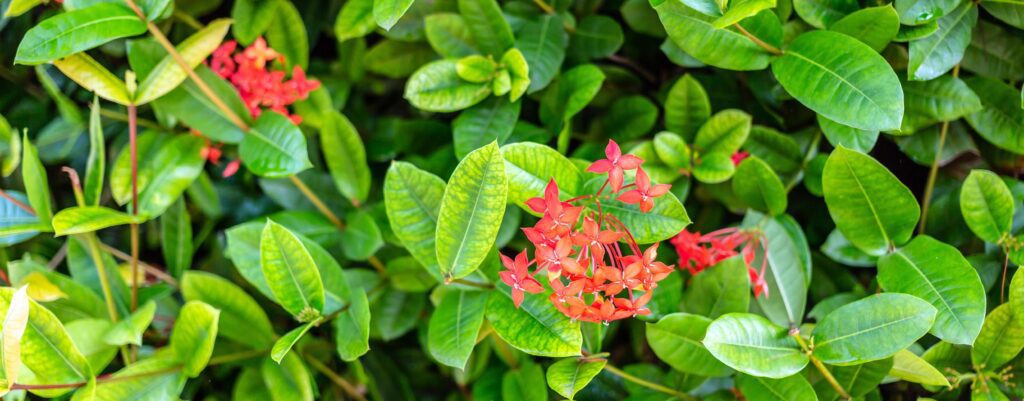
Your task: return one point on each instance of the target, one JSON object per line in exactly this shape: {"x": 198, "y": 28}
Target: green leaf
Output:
{"x": 542, "y": 42}
{"x": 90, "y": 74}
{"x": 291, "y": 272}
{"x": 396, "y": 313}
{"x": 726, "y": 48}
{"x": 841, "y": 135}
{"x": 753, "y": 345}
{"x": 473, "y": 202}
{"x": 10, "y": 150}
{"x": 687, "y": 107}
{"x": 76, "y": 31}
{"x": 523, "y": 383}
{"x": 923, "y": 12}
{"x": 488, "y": 27}
{"x": 872, "y": 328}
{"x": 492, "y": 120}
{"x": 1008, "y": 11}
{"x": 454, "y": 327}
{"x": 665, "y": 220}
{"x": 252, "y": 18}
{"x": 413, "y": 199}
{"x": 570, "y": 375}
{"x": 724, "y": 133}
{"x": 573, "y": 90}
{"x": 1001, "y": 339}
{"x": 129, "y": 331}
{"x": 912, "y": 368}
{"x": 14, "y": 324}
{"x": 939, "y": 274}
{"x": 530, "y": 166}
{"x": 792, "y": 388}
{"x": 788, "y": 271}
{"x": 85, "y": 219}
{"x": 346, "y": 157}
{"x": 722, "y": 289}
{"x": 945, "y": 98}
{"x": 1001, "y": 121}
{"x": 167, "y": 75}
{"x": 195, "y": 331}
{"x": 630, "y": 117}
{"x": 839, "y": 249}
{"x": 355, "y": 20}
{"x": 823, "y": 14}
{"x": 388, "y": 12}
{"x": 987, "y": 205}
{"x": 874, "y": 26}
{"x": 536, "y": 327}
{"x": 863, "y": 93}
{"x": 672, "y": 150}
{"x": 475, "y": 68}
{"x": 596, "y": 36}
{"x": 33, "y": 175}
{"x": 96, "y": 164}
{"x": 176, "y": 238}
{"x": 741, "y": 9}
{"x": 190, "y": 105}
{"x": 288, "y": 380}
{"x": 858, "y": 380}
{"x": 676, "y": 340}
{"x": 756, "y": 184}
{"x": 241, "y": 318}
{"x": 274, "y": 147}
{"x": 437, "y": 87}
{"x": 449, "y": 35}
{"x": 174, "y": 167}
{"x": 909, "y": 33}
{"x": 779, "y": 150}
{"x": 352, "y": 328}
{"x": 145, "y": 380}
{"x": 714, "y": 168}
{"x": 18, "y": 7}
{"x": 287, "y": 341}
{"x": 870, "y": 206}
{"x": 287, "y": 35}
{"x": 361, "y": 237}
{"x": 148, "y": 145}
{"x": 936, "y": 54}
{"x": 395, "y": 59}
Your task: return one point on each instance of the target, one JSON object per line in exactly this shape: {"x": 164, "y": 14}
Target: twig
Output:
{"x": 17, "y": 203}
{"x": 148, "y": 268}
{"x": 795, "y": 333}
{"x": 544, "y": 6}
{"x": 335, "y": 377}
{"x": 771, "y": 49}
{"x": 653, "y": 386}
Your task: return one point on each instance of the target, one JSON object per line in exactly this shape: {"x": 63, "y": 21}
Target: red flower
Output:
{"x": 594, "y": 238}
{"x": 259, "y": 53}
{"x": 614, "y": 164}
{"x": 738, "y": 157}
{"x": 231, "y": 168}
{"x": 698, "y": 252}
{"x": 644, "y": 193}
{"x": 518, "y": 277}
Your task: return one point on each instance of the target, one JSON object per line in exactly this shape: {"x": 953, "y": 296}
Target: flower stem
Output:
{"x": 653, "y": 386}
{"x": 795, "y": 333}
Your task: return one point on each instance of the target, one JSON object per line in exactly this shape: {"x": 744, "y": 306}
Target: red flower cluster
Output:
{"x": 259, "y": 86}
{"x": 590, "y": 277}
{"x": 698, "y": 252}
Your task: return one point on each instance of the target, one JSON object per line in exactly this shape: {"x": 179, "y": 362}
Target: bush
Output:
{"x": 467, "y": 199}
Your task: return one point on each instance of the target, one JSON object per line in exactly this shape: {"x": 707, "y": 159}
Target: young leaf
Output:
{"x": 33, "y": 174}
{"x": 241, "y": 318}
{"x": 346, "y": 157}
{"x": 672, "y": 150}
{"x": 912, "y": 368}
{"x": 485, "y": 22}
{"x": 757, "y": 185}
{"x": 14, "y": 325}
{"x": 675, "y": 339}
{"x": 570, "y": 375}
{"x": 90, "y": 74}
{"x": 291, "y": 272}
{"x": 860, "y": 80}
{"x": 473, "y": 201}
{"x": 85, "y": 219}
{"x": 252, "y": 18}
{"x": 1001, "y": 339}
{"x": 195, "y": 332}
{"x": 724, "y": 132}
{"x": 274, "y": 147}
{"x": 76, "y": 31}
{"x": 174, "y": 167}
{"x": 753, "y": 345}
{"x": 437, "y": 87}
{"x": 96, "y": 164}
{"x": 287, "y": 341}
{"x": 129, "y": 331}
{"x": 412, "y": 198}
{"x": 518, "y": 71}
{"x": 939, "y": 274}
{"x": 870, "y": 206}
{"x": 352, "y": 328}
{"x": 872, "y": 328}
{"x": 687, "y": 107}
{"x": 167, "y": 75}
{"x": 536, "y": 327}
{"x": 454, "y": 326}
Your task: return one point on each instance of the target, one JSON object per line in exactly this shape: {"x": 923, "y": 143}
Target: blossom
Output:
{"x": 518, "y": 277}
{"x": 739, "y": 157}
{"x": 644, "y": 193}
{"x": 614, "y": 163}
{"x": 260, "y": 86}
{"x": 698, "y": 252}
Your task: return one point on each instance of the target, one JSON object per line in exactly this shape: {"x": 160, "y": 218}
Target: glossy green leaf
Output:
{"x": 1001, "y": 339}
{"x": 871, "y": 207}
{"x": 473, "y": 201}
{"x": 288, "y": 380}
{"x": 76, "y": 31}
{"x": 355, "y": 20}
{"x": 756, "y": 184}
{"x": 90, "y": 74}
{"x": 987, "y": 205}
{"x": 274, "y": 147}
{"x": 475, "y": 68}
{"x": 195, "y": 331}
{"x": 858, "y": 79}
{"x": 19, "y": 7}
{"x": 542, "y": 43}
{"x": 287, "y": 35}
{"x": 1001, "y": 121}
{"x": 536, "y": 327}
{"x": 252, "y": 18}
{"x": 10, "y": 149}
{"x": 912, "y": 368}
{"x": 291, "y": 272}
{"x": 96, "y": 164}
{"x": 672, "y": 150}
{"x": 792, "y": 388}
{"x": 741, "y": 9}
{"x": 449, "y": 35}
{"x": 945, "y": 98}
{"x": 14, "y": 324}
{"x": 488, "y": 27}
{"x": 176, "y": 238}
{"x": 857, "y": 380}
{"x": 788, "y": 270}
{"x": 454, "y": 326}
{"x": 146, "y": 385}
{"x": 175, "y": 165}
{"x": 413, "y": 199}
{"x": 395, "y": 313}
{"x": 530, "y": 167}
{"x": 388, "y": 12}
{"x": 352, "y": 328}
{"x": 37, "y": 186}
{"x": 676, "y": 340}
{"x": 570, "y": 375}
{"x": 241, "y": 318}
{"x": 437, "y": 87}
{"x": 665, "y": 220}
{"x": 84, "y": 219}
{"x": 823, "y": 14}
{"x": 936, "y": 54}
{"x": 723, "y": 133}
{"x": 722, "y": 289}
{"x": 874, "y": 26}
{"x": 129, "y": 330}
{"x": 167, "y": 74}
{"x": 994, "y": 52}
{"x": 841, "y": 135}
{"x": 190, "y": 105}
{"x": 491, "y": 120}
{"x": 287, "y": 341}
{"x": 753, "y": 345}
{"x": 693, "y": 32}
{"x": 714, "y": 168}
{"x": 872, "y": 328}
{"x": 939, "y": 274}
{"x": 573, "y": 90}
{"x": 346, "y": 157}
{"x": 687, "y": 107}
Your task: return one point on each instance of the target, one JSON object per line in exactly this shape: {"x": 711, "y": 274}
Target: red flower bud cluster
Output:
{"x": 698, "y": 252}
{"x": 259, "y": 86}
{"x": 591, "y": 277}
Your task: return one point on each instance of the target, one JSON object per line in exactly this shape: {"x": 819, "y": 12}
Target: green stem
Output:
{"x": 932, "y": 174}
{"x": 653, "y": 386}
{"x": 757, "y": 41}
{"x": 335, "y": 378}
{"x": 825, "y": 373}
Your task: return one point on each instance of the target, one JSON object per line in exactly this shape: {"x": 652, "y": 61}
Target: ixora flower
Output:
{"x": 701, "y": 251}
{"x": 592, "y": 275}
